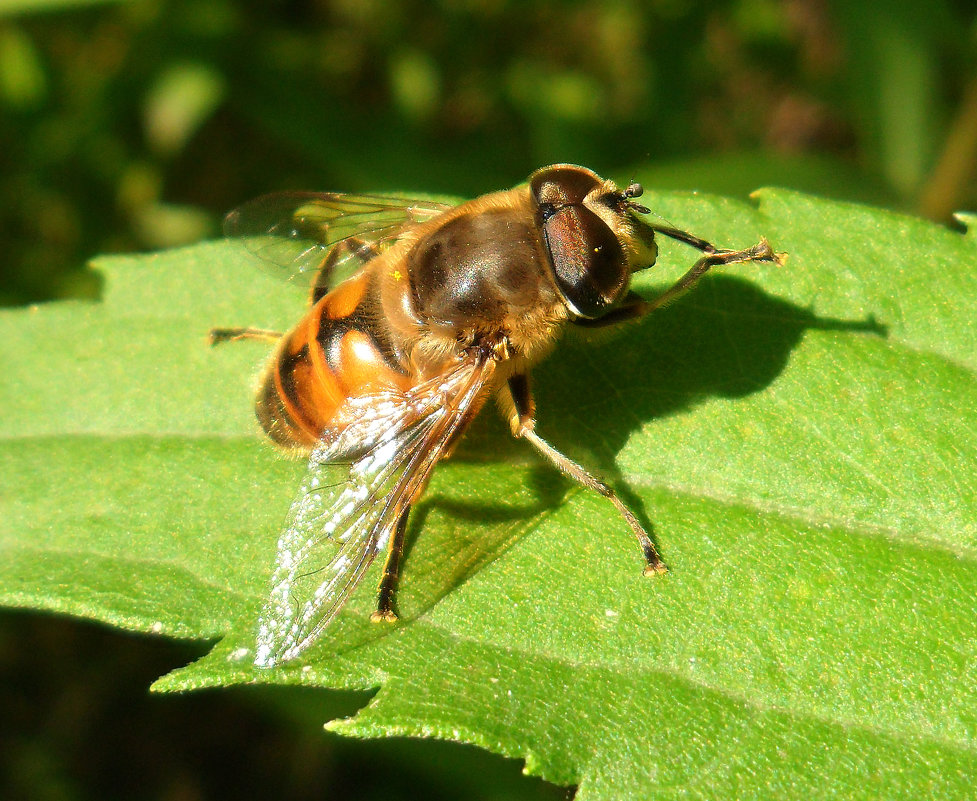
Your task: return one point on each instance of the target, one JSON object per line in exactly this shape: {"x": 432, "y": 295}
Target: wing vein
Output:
{"x": 335, "y": 531}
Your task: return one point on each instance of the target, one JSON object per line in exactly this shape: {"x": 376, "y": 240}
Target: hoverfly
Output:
{"x": 447, "y": 305}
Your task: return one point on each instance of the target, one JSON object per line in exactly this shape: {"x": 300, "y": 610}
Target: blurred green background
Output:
{"x": 135, "y": 125}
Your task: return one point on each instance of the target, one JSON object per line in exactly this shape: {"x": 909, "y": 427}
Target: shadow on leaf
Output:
{"x": 726, "y": 339}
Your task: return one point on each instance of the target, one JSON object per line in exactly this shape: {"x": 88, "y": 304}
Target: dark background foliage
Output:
{"x": 128, "y": 126}
{"x": 136, "y": 125}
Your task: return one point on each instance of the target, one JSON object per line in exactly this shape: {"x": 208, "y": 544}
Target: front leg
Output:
{"x": 634, "y": 306}
{"x": 523, "y": 426}
{"x": 714, "y": 257}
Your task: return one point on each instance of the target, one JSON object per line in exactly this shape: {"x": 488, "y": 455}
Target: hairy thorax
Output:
{"x": 482, "y": 274}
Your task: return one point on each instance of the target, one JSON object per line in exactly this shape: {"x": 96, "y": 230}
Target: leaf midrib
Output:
{"x": 815, "y": 519}
{"x": 782, "y": 512}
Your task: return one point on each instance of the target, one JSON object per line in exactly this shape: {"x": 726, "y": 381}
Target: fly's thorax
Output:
{"x": 481, "y": 266}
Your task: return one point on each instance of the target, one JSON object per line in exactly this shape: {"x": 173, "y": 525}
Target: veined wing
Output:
{"x": 333, "y": 533}
{"x": 297, "y": 230}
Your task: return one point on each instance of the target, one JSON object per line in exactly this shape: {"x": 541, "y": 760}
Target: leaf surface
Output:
{"x": 802, "y": 438}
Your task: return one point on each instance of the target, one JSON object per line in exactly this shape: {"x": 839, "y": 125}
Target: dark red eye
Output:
{"x": 588, "y": 262}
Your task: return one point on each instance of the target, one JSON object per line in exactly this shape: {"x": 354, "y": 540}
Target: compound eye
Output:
{"x": 589, "y": 264}
{"x": 561, "y": 185}
{"x": 546, "y": 210}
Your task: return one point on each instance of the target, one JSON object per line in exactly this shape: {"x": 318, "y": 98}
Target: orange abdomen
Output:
{"x": 342, "y": 348}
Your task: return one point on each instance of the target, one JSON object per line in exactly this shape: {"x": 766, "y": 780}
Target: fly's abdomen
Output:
{"x": 297, "y": 395}
{"x": 343, "y": 348}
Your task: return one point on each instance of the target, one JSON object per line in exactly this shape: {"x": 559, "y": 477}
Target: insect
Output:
{"x": 446, "y": 306}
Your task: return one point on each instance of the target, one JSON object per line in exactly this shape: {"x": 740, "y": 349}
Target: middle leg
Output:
{"x": 391, "y": 572}
{"x": 523, "y": 426}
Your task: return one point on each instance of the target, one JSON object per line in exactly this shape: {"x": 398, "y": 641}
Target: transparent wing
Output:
{"x": 333, "y": 533}
{"x": 297, "y": 230}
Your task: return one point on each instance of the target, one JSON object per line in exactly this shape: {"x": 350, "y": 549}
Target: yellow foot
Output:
{"x": 657, "y": 569}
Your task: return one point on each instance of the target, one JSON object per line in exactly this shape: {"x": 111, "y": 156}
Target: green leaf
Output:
{"x": 803, "y": 439}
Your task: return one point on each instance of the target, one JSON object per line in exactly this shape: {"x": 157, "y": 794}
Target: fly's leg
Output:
{"x": 653, "y": 562}
{"x": 634, "y": 306}
{"x": 523, "y": 426}
{"x": 714, "y": 257}
{"x": 219, "y": 335}
{"x": 391, "y": 572}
